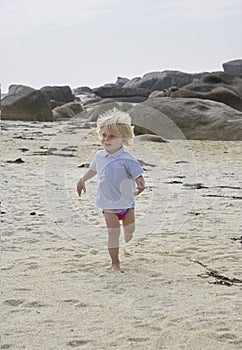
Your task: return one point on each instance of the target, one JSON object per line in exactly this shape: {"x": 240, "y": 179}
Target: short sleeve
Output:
{"x": 93, "y": 165}
{"x": 134, "y": 168}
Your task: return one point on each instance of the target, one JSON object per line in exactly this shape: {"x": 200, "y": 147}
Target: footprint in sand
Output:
{"x": 75, "y": 302}
{"x": 76, "y": 343}
{"x": 14, "y": 302}
{"x": 36, "y": 303}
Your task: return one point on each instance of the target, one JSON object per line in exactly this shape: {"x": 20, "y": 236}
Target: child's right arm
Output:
{"x": 81, "y": 183}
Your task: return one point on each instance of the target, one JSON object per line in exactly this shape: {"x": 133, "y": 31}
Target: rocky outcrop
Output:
{"x": 187, "y": 118}
{"x": 216, "y": 86}
{"x": 226, "y": 87}
{"x": 233, "y": 67}
{"x": 25, "y": 103}
{"x": 60, "y": 94}
{"x": 162, "y": 80}
{"x": 138, "y": 89}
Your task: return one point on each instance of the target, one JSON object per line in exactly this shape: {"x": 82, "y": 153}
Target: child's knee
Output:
{"x": 129, "y": 228}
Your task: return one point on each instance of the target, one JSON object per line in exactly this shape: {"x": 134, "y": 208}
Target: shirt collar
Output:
{"x": 113, "y": 155}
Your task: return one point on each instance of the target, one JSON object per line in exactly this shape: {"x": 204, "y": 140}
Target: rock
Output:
{"x": 173, "y": 88}
{"x": 216, "y": 86}
{"x": 227, "y": 80}
{"x": 149, "y": 120}
{"x": 190, "y": 118}
{"x": 84, "y": 165}
{"x": 199, "y": 76}
{"x": 54, "y": 103}
{"x": 16, "y": 89}
{"x": 16, "y": 161}
{"x": 68, "y": 110}
{"x": 150, "y": 138}
{"x": 160, "y": 80}
{"x": 217, "y": 93}
{"x": 82, "y": 90}
{"x": 106, "y": 105}
{"x": 233, "y": 67}
{"x": 26, "y": 103}
{"x": 100, "y": 109}
{"x": 131, "y": 99}
{"x": 218, "y": 78}
{"x": 89, "y": 99}
{"x": 133, "y": 81}
{"x": 162, "y": 93}
{"x": 109, "y": 85}
{"x": 61, "y": 94}
{"x": 121, "y": 81}
{"x": 116, "y": 92}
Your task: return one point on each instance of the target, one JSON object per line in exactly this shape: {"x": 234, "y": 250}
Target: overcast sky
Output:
{"x": 91, "y": 42}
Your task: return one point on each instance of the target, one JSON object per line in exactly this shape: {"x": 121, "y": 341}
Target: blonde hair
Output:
{"x": 117, "y": 122}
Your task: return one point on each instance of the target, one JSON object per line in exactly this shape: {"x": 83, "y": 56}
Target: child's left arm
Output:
{"x": 140, "y": 182}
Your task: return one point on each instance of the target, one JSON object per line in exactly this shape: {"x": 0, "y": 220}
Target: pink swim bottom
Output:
{"x": 121, "y": 213}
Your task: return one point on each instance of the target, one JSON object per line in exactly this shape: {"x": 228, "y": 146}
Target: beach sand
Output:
{"x": 57, "y": 288}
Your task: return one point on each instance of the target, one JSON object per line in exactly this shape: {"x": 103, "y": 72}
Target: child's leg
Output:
{"x": 129, "y": 225}
{"x": 113, "y": 226}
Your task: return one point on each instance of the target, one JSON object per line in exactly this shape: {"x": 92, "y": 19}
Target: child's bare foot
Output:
{"x": 116, "y": 268}
{"x": 128, "y": 236}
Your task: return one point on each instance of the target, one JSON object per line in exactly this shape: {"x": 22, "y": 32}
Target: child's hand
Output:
{"x": 81, "y": 183}
{"x": 81, "y": 187}
{"x": 140, "y": 182}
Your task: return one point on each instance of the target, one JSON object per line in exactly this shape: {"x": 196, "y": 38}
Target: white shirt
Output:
{"x": 116, "y": 179}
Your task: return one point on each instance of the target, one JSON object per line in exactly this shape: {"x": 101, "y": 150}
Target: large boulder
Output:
{"x": 15, "y": 89}
{"x": 148, "y": 120}
{"x": 60, "y": 94}
{"x": 162, "y": 80}
{"x": 228, "y": 80}
{"x": 68, "y": 110}
{"x": 190, "y": 118}
{"x": 26, "y": 103}
{"x": 216, "y": 86}
{"x": 233, "y": 67}
{"x": 106, "y": 105}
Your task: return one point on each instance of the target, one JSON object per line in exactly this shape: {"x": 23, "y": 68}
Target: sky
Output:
{"x": 92, "y": 42}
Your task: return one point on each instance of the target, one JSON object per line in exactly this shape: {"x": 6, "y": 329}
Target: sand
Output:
{"x": 182, "y": 283}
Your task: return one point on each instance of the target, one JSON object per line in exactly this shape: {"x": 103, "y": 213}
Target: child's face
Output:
{"x": 111, "y": 141}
